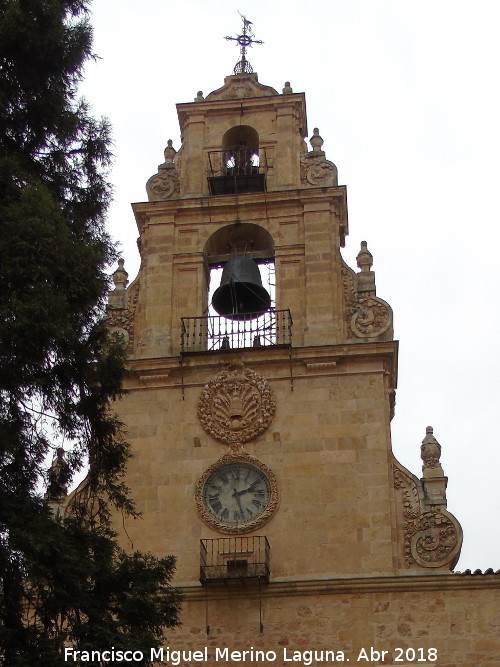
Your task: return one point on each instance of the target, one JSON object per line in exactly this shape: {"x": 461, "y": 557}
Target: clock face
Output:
{"x": 237, "y": 496}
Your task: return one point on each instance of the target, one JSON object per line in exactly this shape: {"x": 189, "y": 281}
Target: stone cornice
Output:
{"x": 382, "y": 584}
{"x": 312, "y": 360}
{"x": 218, "y": 205}
{"x": 234, "y": 104}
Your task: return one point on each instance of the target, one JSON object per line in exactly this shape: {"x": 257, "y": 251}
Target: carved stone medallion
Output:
{"x": 321, "y": 173}
{"x": 371, "y": 318}
{"x": 317, "y": 170}
{"x": 438, "y": 539}
{"x": 236, "y": 406}
{"x": 162, "y": 185}
{"x": 237, "y": 494}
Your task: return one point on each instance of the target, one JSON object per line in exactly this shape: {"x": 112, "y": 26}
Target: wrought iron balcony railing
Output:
{"x": 237, "y": 170}
{"x": 216, "y": 333}
{"x": 226, "y": 559}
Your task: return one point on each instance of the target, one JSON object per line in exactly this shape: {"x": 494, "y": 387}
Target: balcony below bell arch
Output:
{"x": 240, "y": 167}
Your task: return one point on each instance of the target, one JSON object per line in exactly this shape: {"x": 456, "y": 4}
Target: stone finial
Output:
{"x": 430, "y": 451}
{"x": 316, "y": 141}
{"x": 365, "y": 279}
{"x": 199, "y": 96}
{"x": 364, "y": 259}
{"x": 58, "y": 477}
{"x": 287, "y": 90}
{"x": 372, "y": 317}
{"x": 120, "y": 276}
{"x": 433, "y": 481}
{"x": 169, "y": 152}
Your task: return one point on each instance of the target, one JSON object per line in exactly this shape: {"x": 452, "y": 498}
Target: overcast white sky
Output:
{"x": 406, "y": 97}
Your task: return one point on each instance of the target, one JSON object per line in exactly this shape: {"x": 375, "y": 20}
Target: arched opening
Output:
{"x": 243, "y": 239}
{"x": 235, "y": 329}
{"x": 239, "y": 167}
{"x": 240, "y": 145}
{"x": 240, "y": 260}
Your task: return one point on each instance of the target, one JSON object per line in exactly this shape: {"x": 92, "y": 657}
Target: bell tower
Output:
{"x": 243, "y": 184}
{"x": 260, "y": 416}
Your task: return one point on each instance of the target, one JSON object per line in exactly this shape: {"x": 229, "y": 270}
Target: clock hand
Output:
{"x": 250, "y": 488}
{"x": 237, "y": 494}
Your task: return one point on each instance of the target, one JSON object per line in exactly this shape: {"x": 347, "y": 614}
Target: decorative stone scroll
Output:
{"x": 432, "y": 537}
{"x": 372, "y": 317}
{"x": 367, "y": 315}
{"x": 349, "y": 292}
{"x": 122, "y": 304}
{"x": 165, "y": 184}
{"x": 236, "y": 406}
{"x": 162, "y": 185}
{"x": 437, "y": 540}
{"x": 411, "y": 506}
{"x": 315, "y": 169}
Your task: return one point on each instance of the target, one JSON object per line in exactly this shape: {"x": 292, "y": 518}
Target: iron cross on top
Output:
{"x": 244, "y": 40}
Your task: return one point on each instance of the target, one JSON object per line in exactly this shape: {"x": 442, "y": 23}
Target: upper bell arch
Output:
{"x": 236, "y": 168}
{"x": 241, "y": 137}
{"x": 245, "y": 239}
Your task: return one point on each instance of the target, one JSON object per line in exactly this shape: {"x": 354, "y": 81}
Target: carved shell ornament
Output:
{"x": 236, "y": 406}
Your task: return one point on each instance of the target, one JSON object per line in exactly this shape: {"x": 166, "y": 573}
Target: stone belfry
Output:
{"x": 260, "y": 425}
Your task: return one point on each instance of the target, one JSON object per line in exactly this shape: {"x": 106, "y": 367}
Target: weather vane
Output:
{"x": 244, "y": 40}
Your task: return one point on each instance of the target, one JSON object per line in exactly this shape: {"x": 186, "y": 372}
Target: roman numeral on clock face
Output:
{"x": 215, "y": 504}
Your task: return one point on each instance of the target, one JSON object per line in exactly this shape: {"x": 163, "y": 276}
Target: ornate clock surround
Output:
{"x": 249, "y": 525}
{"x": 235, "y": 407}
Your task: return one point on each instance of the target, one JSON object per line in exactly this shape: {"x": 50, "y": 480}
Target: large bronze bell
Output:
{"x": 241, "y": 293}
